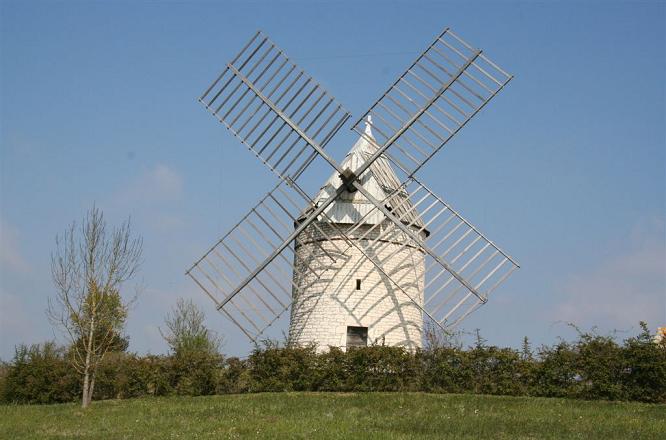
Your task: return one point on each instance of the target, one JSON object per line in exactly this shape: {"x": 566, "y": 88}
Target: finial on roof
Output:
{"x": 368, "y": 125}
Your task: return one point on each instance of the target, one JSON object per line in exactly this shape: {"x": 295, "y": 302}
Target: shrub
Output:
{"x": 4, "y": 371}
{"x": 498, "y": 371}
{"x": 234, "y": 378}
{"x": 196, "y": 373}
{"x": 124, "y": 375}
{"x": 40, "y": 373}
{"x": 599, "y": 365}
{"x": 282, "y": 369}
{"x": 592, "y": 367}
{"x": 644, "y": 376}
{"x": 381, "y": 368}
{"x": 331, "y": 371}
{"x": 555, "y": 374}
{"x": 446, "y": 370}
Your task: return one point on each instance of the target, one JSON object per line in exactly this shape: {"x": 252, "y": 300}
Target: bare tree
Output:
{"x": 89, "y": 267}
{"x": 186, "y": 331}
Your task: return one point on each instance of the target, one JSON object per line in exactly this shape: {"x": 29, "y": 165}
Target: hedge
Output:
{"x": 592, "y": 367}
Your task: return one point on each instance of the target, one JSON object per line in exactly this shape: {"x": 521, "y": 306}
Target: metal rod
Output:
{"x": 435, "y": 105}
{"x": 457, "y": 214}
{"x": 462, "y": 84}
{"x": 314, "y": 153}
{"x": 291, "y": 116}
{"x": 412, "y": 130}
{"x": 412, "y": 158}
{"x": 300, "y": 121}
{"x": 252, "y": 69}
{"x": 248, "y": 302}
{"x": 412, "y": 65}
{"x": 477, "y": 270}
{"x": 467, "y": 74}
{"x": 471, "y": 260}
{"x": 492, "y": 78}
{"x": 229, "y": 65}
{"x": 249, "y": 286}
{"x": 237, "y": 324}
{"x": 203, "y": 288}
{"x": 409, "y": 233}
{"x": 233, "y": 61}
{"x": 270, "y": 292}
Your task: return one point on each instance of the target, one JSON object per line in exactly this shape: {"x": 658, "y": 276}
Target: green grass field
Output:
{"x": 338, "y": 416}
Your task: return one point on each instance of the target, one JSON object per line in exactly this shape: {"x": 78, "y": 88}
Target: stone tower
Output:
{"x": 347, "y": 301}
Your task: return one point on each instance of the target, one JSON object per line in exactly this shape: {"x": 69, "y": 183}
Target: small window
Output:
{"x": 358, "y": 284}
{"x": 357, "y": 337}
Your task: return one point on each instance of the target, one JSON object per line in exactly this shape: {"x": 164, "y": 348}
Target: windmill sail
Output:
{"x": 454, "y": 248}
{"x": 274, "y": 108}
{"x": 222, "y": 269}
{"x": 287, "y": 119}
{"x": 447, "y": 85}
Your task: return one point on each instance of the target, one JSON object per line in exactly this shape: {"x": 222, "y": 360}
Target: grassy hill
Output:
{"x": 337, "y": 416}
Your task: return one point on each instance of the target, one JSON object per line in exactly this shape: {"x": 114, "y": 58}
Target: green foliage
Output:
{"x": 186, "y": 332}
{"x": 196, "y": 373}
{"x": 110, "y": 318}
{"x": 4, "y": 371}
{"x": 446, "y": 369}
{"x": 380, "y": 368}
{"x": 599, "y": 367}
{"x": 592, "y": 367}
{"x": 282, "y": 369}
{"x": 40, "y": 373}
{"x": 555, "y": 374}
{"x": 644, "y": 376}
{"x": 123, "y": 375}
{"x": 234, "y": 378}
{"x": 106, "y": 308}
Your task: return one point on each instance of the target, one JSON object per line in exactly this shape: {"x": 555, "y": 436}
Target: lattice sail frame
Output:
{"x": 269, "y": 294}
{"x": 259, "y": 97}
{"x": 453, "y": 246}
{"x": 273, "y": 107}
{"x": 447, "y": 85}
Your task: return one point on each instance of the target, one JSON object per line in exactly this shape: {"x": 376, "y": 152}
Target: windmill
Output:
{"x": 374, "y": 252}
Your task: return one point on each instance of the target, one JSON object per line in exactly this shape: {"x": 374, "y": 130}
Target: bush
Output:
{"x": 234, "y": 378}
{"x": 282, "y": 369}
{"x": 196, "y": 373}
{"x": 381, "y": 368}
{"x": 40, "y": 373}
{"x": 4, "y": 371}
{"x": 592, "y": 367}
{"x": 498, "y": 371}
{"x": 644, "y": 376}
{"x": 446, "y": 370}
{"x": 124, "y": 375}
{"x": 599, "y": 368}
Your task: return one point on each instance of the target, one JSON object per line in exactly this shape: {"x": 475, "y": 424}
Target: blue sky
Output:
{"x": 565, "y": 169}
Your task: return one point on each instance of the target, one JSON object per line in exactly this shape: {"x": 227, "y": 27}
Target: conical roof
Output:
{"x": 379, "y": 180}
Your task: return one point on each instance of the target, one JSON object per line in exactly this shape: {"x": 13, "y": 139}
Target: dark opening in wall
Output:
{"x": 358, "y": 284}
{"x": 357, "y": 337}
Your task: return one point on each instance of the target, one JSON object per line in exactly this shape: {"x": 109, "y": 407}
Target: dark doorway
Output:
{"x": 357, "y": 337}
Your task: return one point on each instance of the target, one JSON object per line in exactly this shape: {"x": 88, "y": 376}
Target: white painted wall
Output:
{"x": 326, "y": 300}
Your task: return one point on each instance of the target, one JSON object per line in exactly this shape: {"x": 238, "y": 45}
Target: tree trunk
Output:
{"x": 91, "y": 388}
{"x": 87, "y": 383}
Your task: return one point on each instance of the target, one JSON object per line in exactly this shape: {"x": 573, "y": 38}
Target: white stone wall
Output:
{"x": 326, "y": 300}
